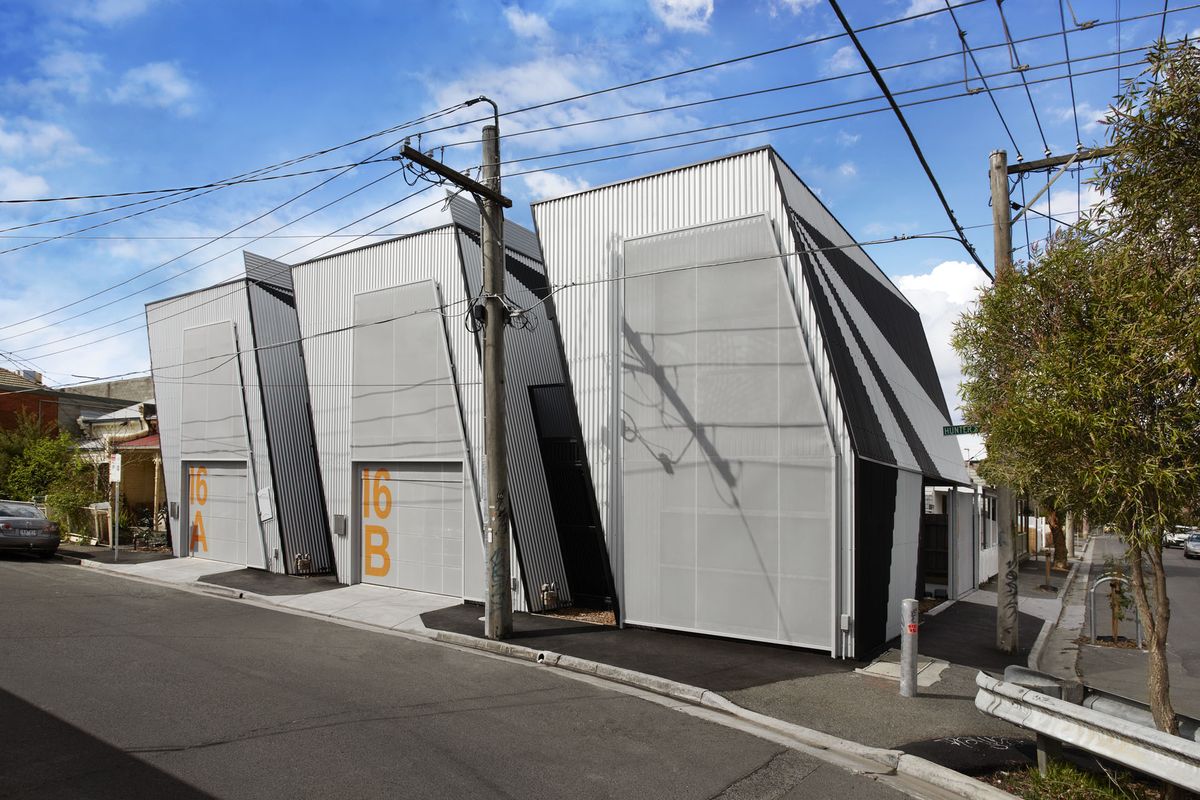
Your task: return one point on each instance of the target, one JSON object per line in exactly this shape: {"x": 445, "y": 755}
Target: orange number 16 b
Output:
{"x": 377, "y": 498}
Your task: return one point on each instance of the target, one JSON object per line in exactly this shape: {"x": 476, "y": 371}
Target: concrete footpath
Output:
{"x": 847, "y": 712}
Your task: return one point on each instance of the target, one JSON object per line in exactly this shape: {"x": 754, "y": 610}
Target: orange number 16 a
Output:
{"x": 198, "y": 496}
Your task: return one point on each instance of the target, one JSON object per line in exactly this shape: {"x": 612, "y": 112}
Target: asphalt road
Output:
{"x": 111, "y": 688}
{"x": 1124, "y": 671}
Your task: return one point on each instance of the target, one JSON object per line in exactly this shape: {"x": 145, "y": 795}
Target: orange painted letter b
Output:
{"x": 371, "y": 551}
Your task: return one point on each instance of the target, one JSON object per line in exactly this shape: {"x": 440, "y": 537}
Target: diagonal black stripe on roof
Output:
{"x": 911, "y": 437}
{"x": 866, "y": 432}
{"x": 899, "y": 323}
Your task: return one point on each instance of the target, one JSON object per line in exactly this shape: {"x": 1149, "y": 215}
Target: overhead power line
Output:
{"x": 912, "y": 139}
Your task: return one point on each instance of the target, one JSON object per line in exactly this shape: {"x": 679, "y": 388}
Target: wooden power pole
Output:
{"x": 498, "y": 608}
{"x": 1007, "y": 640}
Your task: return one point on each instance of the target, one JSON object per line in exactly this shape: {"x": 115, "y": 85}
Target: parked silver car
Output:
{"x": 1191, "y": 548}
{"x": 24, "y": 527}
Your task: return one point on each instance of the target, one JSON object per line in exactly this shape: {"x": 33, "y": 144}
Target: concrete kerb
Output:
{"x": 842, "y": 752}
{"x": 1035, "y": 653}
{"x": 852, "y": 755}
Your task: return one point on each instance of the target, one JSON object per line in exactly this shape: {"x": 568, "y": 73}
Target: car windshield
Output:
{"x": 20, "y": 510}
{"x": 1195, "y": 537}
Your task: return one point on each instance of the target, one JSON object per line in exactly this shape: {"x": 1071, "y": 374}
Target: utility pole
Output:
{"x": 498, "y": 612}
{"x": 1006, "y": 581}
{"x": 1006, "y": 517}
{"x": 498, "y": 608}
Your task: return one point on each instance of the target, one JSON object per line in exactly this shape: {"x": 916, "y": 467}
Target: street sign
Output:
{"x": 114, "y": 468}
{"x": 955, "y": 430}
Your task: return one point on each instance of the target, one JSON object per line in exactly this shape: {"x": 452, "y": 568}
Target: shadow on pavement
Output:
{"x": 125, "y": 555}
{"x": 262, "y": 582}
{"x": 47, "y": 757}
{"x": 965, "y": 634}
{"x": 717, "y": 664}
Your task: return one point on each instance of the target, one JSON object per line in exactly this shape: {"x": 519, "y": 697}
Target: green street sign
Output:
{"x": 955, "y": 430}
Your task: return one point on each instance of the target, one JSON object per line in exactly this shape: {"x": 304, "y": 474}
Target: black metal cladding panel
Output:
{"x": 531, "y": 359}
{"x": 296, "y": 479}
{"x": 874, "y": 520}
{"x": 261, "y": 269}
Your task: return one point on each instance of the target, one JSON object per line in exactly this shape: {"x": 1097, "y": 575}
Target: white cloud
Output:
{"x": 108, "y": 12}
{"x": 848, "y": 139}
{"x": 527, "y": 24}
{"x": 23, "y": 138}
{"x": 844, "y": 59}
{"x": 1090, "y": 117}
{"x": 922, "y": 6}
{"x": 847, "y": 169}
{"x": 16, "y": 185}
{"x": 159, "y": 84}
{"x": 791, "y": 6}
{"x": 62, "y": 70}
{"x": 683, "y": 15}
{"x": 941, "y": 296}
{"x": 542, "y": 185}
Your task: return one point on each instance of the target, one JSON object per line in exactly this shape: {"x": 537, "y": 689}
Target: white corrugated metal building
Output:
{"x": 758, "y": 404}
{"x": 395, "y": 384}
{"x": 236, "y": 439}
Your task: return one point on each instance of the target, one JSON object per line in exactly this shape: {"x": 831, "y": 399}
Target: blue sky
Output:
{"x": 103, "y": 96}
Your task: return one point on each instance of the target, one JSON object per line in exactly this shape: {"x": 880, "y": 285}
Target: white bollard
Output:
{"x": 908, "y": 648}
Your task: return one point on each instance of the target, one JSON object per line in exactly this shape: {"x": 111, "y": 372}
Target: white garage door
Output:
{"x": 216, "y": 505}
{"x": 411, "y": 526}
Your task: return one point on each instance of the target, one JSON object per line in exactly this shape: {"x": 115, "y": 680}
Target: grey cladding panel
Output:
{"x": 213, "y": 424}
{"x": 403, "y": 405}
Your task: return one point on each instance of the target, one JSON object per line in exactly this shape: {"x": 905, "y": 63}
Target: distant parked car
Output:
{"x": 1191, "y": 548}
{"x": 1177, "y": 536}
{"x": 24, "y": 527}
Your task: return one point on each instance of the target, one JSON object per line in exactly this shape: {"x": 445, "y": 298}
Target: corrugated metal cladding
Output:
{"x": 175, "y": 374}
{"x": 299, "y": 496}
{"x": 531, "y": 358}
{"x": 450, "y": 257}
{"x": 582, "y": 237}
{"x": 325, "y": 292}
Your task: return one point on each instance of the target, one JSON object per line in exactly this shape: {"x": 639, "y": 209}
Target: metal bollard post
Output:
{"x": 908, "y": 648}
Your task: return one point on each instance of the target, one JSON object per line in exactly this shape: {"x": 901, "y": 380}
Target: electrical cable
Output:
{"x": 215, "y": 239}
{"x": 1071, "y": 78}
{"x": 1016, "y": 64}
{"x": 911, "y": 138}
{"x": 962, "y": 35}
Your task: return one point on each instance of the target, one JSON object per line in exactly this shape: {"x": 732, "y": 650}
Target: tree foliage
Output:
{"x": 1081, "y": 369}
{"x": 36, "y": 464}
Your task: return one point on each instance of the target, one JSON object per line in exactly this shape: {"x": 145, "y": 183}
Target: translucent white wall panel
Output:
{"x": 727, "y": 469}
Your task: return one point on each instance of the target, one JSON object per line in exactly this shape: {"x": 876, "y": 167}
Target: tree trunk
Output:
{"x": 1155, "y": 620}
{"x": 1058, "y": 536}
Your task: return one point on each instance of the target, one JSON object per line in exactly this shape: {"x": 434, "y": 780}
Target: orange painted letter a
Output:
{"x": 198, "y": 537}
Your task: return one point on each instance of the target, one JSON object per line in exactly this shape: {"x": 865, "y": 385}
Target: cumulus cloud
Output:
{"x": 922, "y": 7}
{"x": 847, "y": 169}
{"x": 28, "y": 139}
{"x": 159, "y": 84}
{"x": 941, "y": 296}
{"x": 60, "y": 71}
{"x": 542, "y": 185}
{"x": 844, "y": 59}
{"x": 1091, "y": 119}
{"x": 683, "y": 15}
{"x": 527, "y": 24}
{"x": 16, "y": 185}
{"x": 848, "y": 139}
